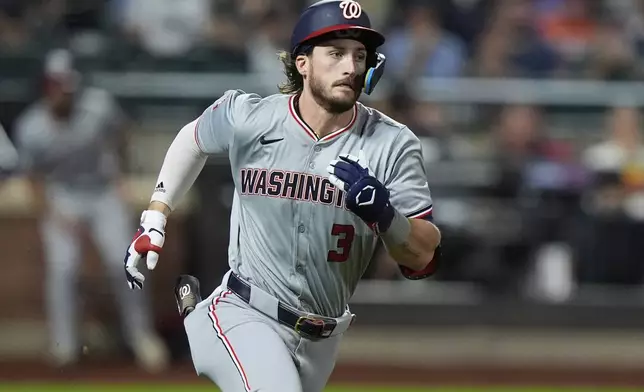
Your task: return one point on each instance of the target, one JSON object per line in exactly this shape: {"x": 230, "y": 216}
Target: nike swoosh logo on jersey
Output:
{"x": 263, "y": 141}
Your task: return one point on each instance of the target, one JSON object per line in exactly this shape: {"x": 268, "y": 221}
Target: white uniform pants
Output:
{"x": 110, "y": 227}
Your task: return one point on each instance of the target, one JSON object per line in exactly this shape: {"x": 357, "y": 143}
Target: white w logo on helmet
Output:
{"x": 351, "y": 9}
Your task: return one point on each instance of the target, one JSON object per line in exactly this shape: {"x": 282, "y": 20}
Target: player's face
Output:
{"x": 60, "y": 97}
{"x": 61, "y": 101}
{"x": 334, "y": 74}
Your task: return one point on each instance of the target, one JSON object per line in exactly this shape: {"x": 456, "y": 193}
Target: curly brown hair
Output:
{"x": 294, "y": 83}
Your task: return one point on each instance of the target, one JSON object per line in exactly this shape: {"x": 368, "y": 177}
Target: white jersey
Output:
{"x": 291, "y": 233}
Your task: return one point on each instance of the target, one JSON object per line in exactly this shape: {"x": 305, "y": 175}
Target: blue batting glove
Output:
{"x": 365, "y": 196}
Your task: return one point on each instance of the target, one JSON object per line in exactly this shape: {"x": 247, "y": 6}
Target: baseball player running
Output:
{"x": 320, "y": 181}
{"x": 67, "y": 142}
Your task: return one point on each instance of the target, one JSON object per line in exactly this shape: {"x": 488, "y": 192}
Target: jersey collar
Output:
{"x": 309, "y": 131}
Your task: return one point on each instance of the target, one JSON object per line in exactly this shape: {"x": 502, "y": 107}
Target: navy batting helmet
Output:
{"x": 329, "y": 19}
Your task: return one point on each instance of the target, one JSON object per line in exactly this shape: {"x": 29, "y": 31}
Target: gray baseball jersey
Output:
{"x": 77, "y": 154}
{"x": 291, "y": 233}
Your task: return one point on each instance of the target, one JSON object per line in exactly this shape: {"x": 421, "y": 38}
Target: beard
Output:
{"x": 324, "y": 97}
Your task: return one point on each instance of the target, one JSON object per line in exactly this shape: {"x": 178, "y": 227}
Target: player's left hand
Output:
{"x": 365, "y": 196}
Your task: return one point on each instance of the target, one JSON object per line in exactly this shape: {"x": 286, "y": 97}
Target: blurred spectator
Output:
{"x": 569, "y": 26}
{"x": 503, "y": 259}
{"x": 422, "y": 48}
{"x": 166, "y": 28}
{"x": 621, "y": 157}
{"x": 622, "y": 144}
{"x": 542, "y": 180}
{"x": 510, "y": 45}
{"x": 631, "y": 16}
{"x": 516, "y": 139}
{"x": 613, "y": 54}
{"x": 611, "y": 247}
{"x": 554, "y": 184}
{"x": 68, "y": 141}
{"x": 467, "y": 19}
{"x": 15, "y": 35}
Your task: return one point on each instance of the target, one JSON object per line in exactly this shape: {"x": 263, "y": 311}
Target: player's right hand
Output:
{"x": 146, "y": 244}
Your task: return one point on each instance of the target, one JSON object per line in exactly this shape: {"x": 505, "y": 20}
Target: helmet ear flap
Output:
{"x": 375, "y": 70}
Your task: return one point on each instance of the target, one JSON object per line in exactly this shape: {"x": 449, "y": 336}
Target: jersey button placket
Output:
{"x": 302, "y": 249}
{"x": 316, "y": 150}
{"x": 298, "y": 265}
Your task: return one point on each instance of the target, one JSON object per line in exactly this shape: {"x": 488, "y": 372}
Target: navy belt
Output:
{"x": 305, "y": 325}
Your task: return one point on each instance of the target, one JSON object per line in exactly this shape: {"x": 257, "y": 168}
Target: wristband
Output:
{"x": 154, "y": 217}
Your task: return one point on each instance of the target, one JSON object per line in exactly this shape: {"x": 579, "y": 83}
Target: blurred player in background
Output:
{"x": 68, "y": 144}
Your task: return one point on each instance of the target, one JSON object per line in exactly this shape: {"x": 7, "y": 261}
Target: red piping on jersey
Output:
{"x": 226, "y": 342}
{"x": 309, "y": 131}
{"x": 422, "y": 214}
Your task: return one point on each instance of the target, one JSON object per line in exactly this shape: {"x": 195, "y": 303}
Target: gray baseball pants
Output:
{"x": 242, "y": 350}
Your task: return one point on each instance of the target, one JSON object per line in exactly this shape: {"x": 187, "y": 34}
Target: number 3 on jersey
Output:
{"x": 345, "y": 234}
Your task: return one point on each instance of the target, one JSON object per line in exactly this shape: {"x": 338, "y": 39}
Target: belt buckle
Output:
{"x": 324, "y": 333}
